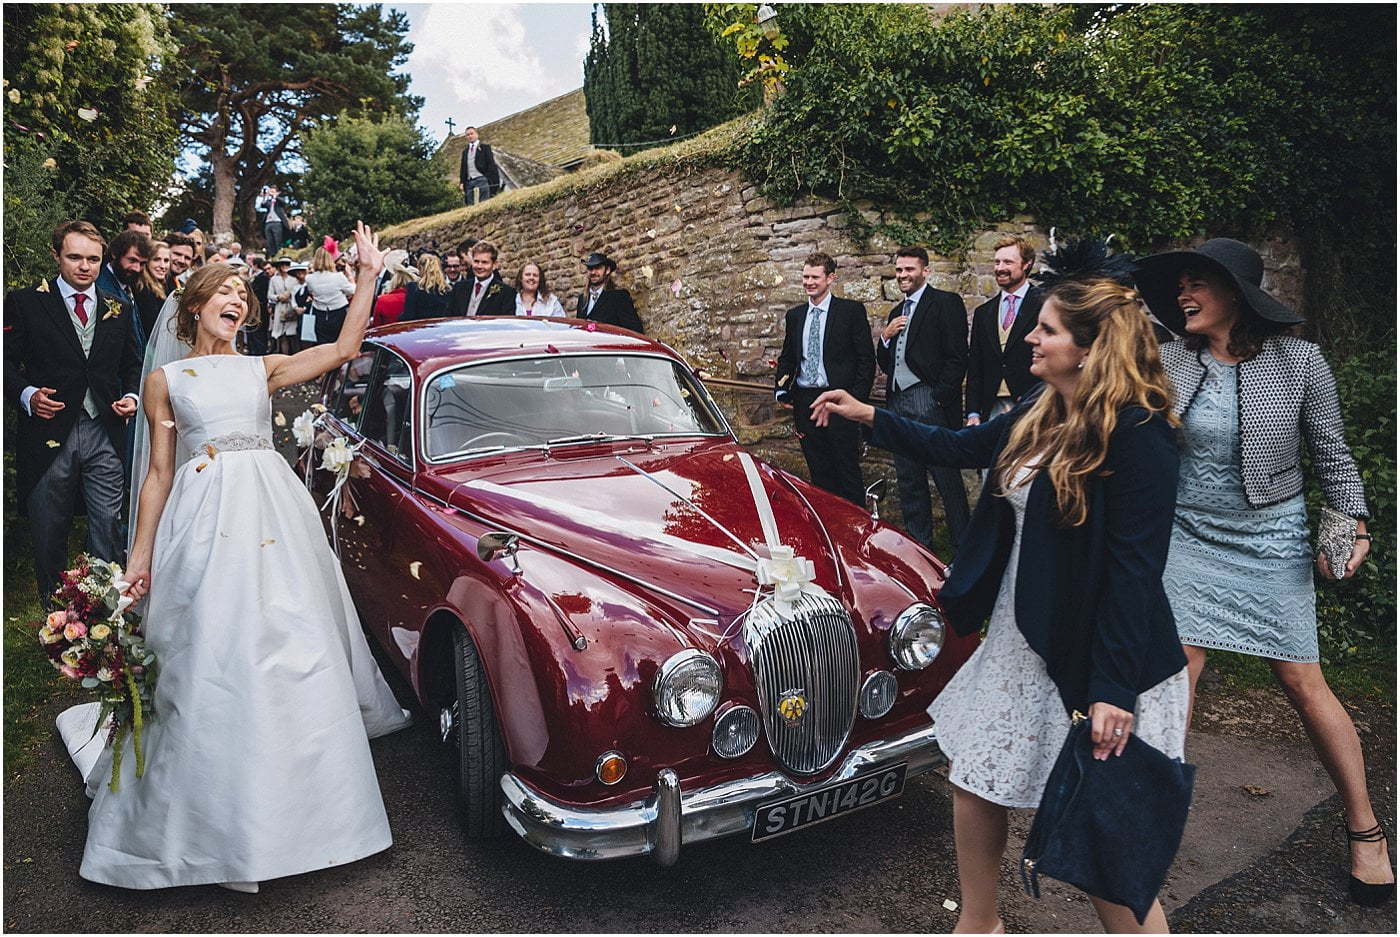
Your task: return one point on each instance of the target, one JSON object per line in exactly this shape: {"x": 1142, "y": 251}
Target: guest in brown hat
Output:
{"x": 604, "y": 301}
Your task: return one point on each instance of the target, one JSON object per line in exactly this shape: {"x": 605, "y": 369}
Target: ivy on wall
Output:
{"x": 1154, "y": 122}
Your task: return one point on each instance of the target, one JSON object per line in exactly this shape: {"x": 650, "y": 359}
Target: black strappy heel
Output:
{"x": 1368, "y": 894}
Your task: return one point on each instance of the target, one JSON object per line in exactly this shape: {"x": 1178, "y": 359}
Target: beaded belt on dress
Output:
{"x": 231, "y": 442}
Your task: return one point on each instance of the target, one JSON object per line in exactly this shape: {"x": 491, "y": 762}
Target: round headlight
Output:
{"x": 877, "y": 694}
{"x": 687, "y": 688}
{"x": 736, "y": 731}
{"x": 917, "y": 636}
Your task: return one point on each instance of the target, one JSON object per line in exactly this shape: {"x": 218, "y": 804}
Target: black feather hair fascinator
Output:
{"x": 1084, "y": 259}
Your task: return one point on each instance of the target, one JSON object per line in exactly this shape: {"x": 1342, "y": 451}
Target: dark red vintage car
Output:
{"x": 636, "y": 634}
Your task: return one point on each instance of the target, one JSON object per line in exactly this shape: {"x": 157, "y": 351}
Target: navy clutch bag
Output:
{"x": 1110, "y": 828}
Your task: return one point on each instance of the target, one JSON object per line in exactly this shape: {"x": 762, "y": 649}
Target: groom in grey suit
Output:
{"x": 72, "y": 368}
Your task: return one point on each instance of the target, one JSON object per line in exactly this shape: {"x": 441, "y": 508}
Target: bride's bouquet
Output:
{"x": 94, "y": 640}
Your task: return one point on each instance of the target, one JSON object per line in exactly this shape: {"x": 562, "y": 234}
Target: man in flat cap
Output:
{"x": 604, "y": 301}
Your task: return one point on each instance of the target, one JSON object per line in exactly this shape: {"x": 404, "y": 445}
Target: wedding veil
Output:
{"x": 162, "y": 349}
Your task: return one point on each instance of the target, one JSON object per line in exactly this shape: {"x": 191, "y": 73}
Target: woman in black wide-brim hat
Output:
{"x": 1239, "y": 574}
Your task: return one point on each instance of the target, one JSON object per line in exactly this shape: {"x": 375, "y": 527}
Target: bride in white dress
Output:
{"x": 257, "y": 759}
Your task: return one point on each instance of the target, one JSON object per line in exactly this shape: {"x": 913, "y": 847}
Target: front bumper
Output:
{"x": 659, "y": 824}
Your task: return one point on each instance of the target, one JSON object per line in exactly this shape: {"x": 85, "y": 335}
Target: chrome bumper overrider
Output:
{"x": 659, "y": 824}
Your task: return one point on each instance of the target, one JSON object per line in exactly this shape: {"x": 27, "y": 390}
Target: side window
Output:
{"x": 388, "y": 408}
{"x": 353, "y": 380}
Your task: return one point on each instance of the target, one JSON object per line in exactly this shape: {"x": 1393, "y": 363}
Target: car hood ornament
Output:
{"x": 792, "y": 706}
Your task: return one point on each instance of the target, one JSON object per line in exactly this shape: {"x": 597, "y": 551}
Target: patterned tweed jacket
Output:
{"x": 1286, "y": 393}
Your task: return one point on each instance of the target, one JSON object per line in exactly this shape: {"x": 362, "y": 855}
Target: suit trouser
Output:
{"x": 832, "y": 451}
{"x": 915, "y": 505}
{"x": 272, "y": 238}
{"x": 86, "y": 462}
{"x": 480, "y": 184}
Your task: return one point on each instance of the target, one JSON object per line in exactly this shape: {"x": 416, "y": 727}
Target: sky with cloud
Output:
{"x": 476, "y": 62}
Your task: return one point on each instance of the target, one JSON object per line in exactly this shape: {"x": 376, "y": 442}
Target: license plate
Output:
{"x": 835, "y": 800}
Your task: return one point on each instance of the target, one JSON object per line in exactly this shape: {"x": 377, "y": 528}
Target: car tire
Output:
{"x": 481, "y": 754}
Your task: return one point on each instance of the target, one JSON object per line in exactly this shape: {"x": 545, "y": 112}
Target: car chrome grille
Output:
{"x": 813, "y": 653}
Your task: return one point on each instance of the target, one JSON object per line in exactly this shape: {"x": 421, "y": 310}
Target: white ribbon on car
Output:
{"x": 336, "y": 458}
{"x": 789, "y": 574}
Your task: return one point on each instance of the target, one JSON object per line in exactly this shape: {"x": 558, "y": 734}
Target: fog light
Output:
{"x": 878, "y": 693}
{"x": 610, "y": 767}
{"x": 736, "y": 731}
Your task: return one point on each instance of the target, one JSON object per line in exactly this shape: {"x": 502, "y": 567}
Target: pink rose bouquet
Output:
{"x": 96, "y": 641}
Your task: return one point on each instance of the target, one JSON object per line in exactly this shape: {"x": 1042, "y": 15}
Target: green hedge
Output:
{"x": 1357, "y": 617}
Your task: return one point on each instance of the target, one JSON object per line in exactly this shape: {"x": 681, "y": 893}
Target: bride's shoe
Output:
{"x": 248, "y": 888}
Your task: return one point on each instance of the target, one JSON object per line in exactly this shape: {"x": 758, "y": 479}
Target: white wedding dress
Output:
{"x": 257, "y": 756}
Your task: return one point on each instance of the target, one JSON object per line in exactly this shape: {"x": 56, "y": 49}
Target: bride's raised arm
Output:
{"x": 285, "y": 370}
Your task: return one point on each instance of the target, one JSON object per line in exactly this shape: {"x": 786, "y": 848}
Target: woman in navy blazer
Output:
{"x": 1084, "y": 481}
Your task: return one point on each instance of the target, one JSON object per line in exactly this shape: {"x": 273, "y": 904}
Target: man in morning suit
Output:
{"x": 127, "y": 257}
{"x": 826, "y": 345}
{"x": 484, "y": 293}
{"x": 275, "y": 221}
{"x": 999, "y": 360}
{"x": 604, "y": 301}
{"x": 72, "y": 366}
{"x": 479, "y": 172}
{"x": 923, "y": 350}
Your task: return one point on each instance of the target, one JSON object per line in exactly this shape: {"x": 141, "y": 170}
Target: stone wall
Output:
{"x": 712, "y": 265}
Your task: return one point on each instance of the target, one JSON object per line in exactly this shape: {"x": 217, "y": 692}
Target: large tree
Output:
{"x": 379, "y": 170}
{"x": 259, "y": 76}
{"x": 89, "y": 130}
{"x": 654, "y": 72}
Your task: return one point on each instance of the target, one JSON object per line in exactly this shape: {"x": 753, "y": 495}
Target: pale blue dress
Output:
{"x": 1239, "y": 578}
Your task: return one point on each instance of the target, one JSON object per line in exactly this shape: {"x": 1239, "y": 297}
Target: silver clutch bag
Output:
{"x": 1336, "y": 535}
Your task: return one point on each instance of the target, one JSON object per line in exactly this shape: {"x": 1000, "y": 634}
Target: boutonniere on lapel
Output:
{"x": 43, "y": 286}
{"x": 114, "y": 309}
{"x": 493, "y": 289}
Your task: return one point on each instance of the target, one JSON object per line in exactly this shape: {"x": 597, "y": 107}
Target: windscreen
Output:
{"x": 557, "y": 399}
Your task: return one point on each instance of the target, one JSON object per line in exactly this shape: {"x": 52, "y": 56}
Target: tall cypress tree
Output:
{"x": 654, "y": 66}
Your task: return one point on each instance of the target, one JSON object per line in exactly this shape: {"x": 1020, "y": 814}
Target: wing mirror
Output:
{"x": 873, "y": 494}
{"x": 496, "y": 544}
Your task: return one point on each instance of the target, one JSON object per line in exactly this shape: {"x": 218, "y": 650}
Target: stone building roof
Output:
{"x": 554, "y": 133}
{"x": 523, "y": 172}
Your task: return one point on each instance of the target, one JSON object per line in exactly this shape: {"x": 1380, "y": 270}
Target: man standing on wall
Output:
{"x": 275, "y": 221}
{"x": 999, "y": 360}
{"x": 826, "y": 346}
{"x": 484, "y": 293}
{"x": 923, "y": 350}
{"x": 479, "y": 173}
{"x": 605, "y": 301}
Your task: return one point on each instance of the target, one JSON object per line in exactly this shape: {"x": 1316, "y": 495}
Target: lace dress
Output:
{"x": 1000, "y": 720}
{"x": 1239, "y": 578}
{"x": 257, "y": 759}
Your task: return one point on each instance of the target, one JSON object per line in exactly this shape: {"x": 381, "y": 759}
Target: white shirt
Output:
{"x": 329, "y": 289}
{"x": 85, "y": 334}
{"x": 817, "y": 322}
{"x": 548, "y": 306}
